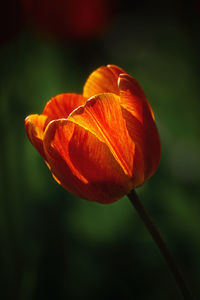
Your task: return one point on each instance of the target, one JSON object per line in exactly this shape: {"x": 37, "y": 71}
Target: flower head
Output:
{"x": 102, "y": 144}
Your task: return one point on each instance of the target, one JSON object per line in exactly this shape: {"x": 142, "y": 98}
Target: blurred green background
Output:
{"x": 55, "y": 246}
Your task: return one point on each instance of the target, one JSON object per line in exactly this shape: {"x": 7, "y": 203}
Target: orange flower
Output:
{"x": 102, "y": 144}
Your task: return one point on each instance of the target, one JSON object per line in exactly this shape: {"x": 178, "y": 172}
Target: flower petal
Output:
{"x": 83, "y": 164}
{"x": 128, "y": 83}
{"x": 62, "y": 105}
{"x": 137, "y": 107}
{"x": 102, "y": 80}
{"x": 102, "y": 115}
{"x": 35, "y": 125}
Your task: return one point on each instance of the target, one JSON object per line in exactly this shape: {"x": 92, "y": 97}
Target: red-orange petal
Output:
{"x": 102, "y": 80}
{"x": 62, "y": 105}
{"x": 83, "y": 164}
{"x": 102, "y": 115}
{"x": 137, "y": 107}
{"x": 35, "y": 125}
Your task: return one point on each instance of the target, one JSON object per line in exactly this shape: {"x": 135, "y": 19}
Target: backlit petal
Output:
{"x": 128, "y": 83}
{"x": 62, "y": 105}
{"x": 83, "y": 164}
{"x": 35, "y": 125}
{"x": 143, "y": 131}
{"x": 102, "y": 80}
{"x": 101, "y": 148}
{"x": 102, "y": 115}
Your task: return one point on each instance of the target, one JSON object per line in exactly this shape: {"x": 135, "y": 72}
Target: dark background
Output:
{"x": 53, "y": 245}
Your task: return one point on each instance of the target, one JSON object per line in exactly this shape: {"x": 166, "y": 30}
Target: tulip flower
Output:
{"x": 102, "y": 144}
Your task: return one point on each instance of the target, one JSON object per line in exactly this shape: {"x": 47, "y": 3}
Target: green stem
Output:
{"x": 151, "y": 227}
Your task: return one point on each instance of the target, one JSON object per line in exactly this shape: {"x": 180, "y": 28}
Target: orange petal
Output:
{"x": 143, "y": 131}
{"x": 102, "y": 80}
{"x": 102, "y": 115}
{"x": 35, "y": 125}
{"x": 83, "y": 164}
{"x": 62, "y": 105}
{"x": 135, "y": 103}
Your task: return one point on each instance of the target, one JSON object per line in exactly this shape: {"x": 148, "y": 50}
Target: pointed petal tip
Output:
{"x": 112, "y": 66}
{"x": 124, "y": 81}
{"x": 28, "y": 119}
{"x": 115, "y": 70}
{"x": 35, "y": 125}
{"x": 102, "y": 80}
{"x": 129, "y": 83}
{"x": 62, "y": 105}
{"x": 124, "y": 75}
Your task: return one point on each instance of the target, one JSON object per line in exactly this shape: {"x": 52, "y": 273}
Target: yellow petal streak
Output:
{"x": 83, "y": 164}
{"x": 102, "y": 116}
